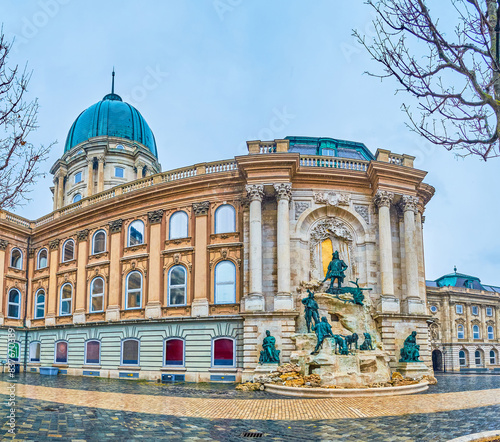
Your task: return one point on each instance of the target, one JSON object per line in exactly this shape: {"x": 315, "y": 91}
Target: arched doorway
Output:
{"x": 437, "y": 360}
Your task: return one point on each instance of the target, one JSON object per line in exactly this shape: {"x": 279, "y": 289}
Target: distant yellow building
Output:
{"x": 138, "y": 273}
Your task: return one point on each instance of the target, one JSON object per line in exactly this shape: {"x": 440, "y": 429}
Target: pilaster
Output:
{"x": 81, "y": 280}
{"x": 199, "y": 306}
{"x": 115, "y": 233}
{"x": 153, "y": 307}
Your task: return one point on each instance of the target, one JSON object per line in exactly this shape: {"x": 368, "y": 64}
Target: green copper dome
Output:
{"x": 114, "y": 118}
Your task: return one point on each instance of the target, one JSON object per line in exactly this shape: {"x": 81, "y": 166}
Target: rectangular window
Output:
{"x": 174, "y": 352}
{"x": 62, "y": 352}
{"x": 489, "y": 311}
{"x": 92, "y": 354}
{"x": 475, "y": 310}
{"x": 460, "y": 332}
{"x": 223, "y": 353}
{"x": 78, "y": 177}
{"x": 130, "y": 352}
{"x": 35, "y": 352}
{"x": 459, "y": 309}
{"x": 119, "y": 172}
{"x": 328, "y": 152}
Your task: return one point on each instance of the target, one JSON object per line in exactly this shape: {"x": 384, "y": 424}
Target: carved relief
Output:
{"x": 364, "y": 211}
{"x": 31, "y": 252}
{"x": 283, "y": 191}
{"x": 409, "y": 203}
{"x": 54, "y": 244}
{"x": 101, "y": 270}
{"x": 201, "y": 209}
{"x": 155, "y": 217}
{"x": 331, "y": 198}
{"x": 115, "y": 226}
{"x": 383, "y": 198}
{"x": 3, "y": 244}
{"x": 255, "y": 192}
{"x": 434, "y": 331}
{"x": 82, "y": 235}
{"x": 300, "y": 207}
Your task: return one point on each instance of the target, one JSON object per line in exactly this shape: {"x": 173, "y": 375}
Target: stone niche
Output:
{"x": 354, "y": 370}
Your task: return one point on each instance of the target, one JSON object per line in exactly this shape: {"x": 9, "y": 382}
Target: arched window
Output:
{"x": 68, "y": 250}
{"x": 475, "y": 332}
{"x": 61, "y": 352}
{"x": 66, "y": 300}
{"x": 135, "y": 233}
{"x": 13, "y": 351}
{"x": 40, "y": 304}
{"x": 42, "y": 259}
{"x": 133, "y": 289}
{"x": 97, "y": 295}
{"x": 77, "y": 197}
{"x": 93, "y": 352}
{"x": 478, "y": 357}
{"x": 35, "y": 351}
{"x": 177, "y": 285}
{"x": 178, "y": 225}
{"x": 16, "y": 259}
{"x": 225, "y": 283}
{"x": 14, "y": 304}
{"x": 493, "y": 357}
{"x": 225, "y": 219}
{"x": 130, "y": 352}
{"x": 491, "y": 335}
{"x": 99, "y": 242}
{"x": 174, "y": 352}
{"x": 223, "y": 352}
{"x": 462, "y": 358}
{"x": 460, "y": 331}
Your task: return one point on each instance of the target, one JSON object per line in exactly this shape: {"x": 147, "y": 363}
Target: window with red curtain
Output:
{"x": 62, "y": 352}
{"x": 93, "y": 348}
{"x": 223, "y": 352}
{"x": 174, "y": 352}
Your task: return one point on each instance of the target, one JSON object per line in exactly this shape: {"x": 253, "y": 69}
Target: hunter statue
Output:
{"x": 311, "y": 310}
{"x": 335, "y": 271}
{"x": 269, "y": 354}
{"x": 323, "y": 330}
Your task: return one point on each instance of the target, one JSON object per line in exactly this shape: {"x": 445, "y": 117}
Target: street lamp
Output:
{"x": 444, "y": 359}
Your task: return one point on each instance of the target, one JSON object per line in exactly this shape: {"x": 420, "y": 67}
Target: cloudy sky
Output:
{"x": 208, "y": 75}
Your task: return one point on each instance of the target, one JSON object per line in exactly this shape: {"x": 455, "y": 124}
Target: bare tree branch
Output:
{"x": 454, "y": 76}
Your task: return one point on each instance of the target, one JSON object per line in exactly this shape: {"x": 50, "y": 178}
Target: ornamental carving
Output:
{"x": 201, "y": 209}
{"x": 363, "y": 211}
{"x": 82, "y": 235}
{"x": 255, "y": 192}
{"x": 155, "y": 217}
{"x": 31, "y": 252}
{"x": 54, "y": 244}
{"x": 434, "y": 332}
{"x": 409, "y": 203}
{"x": 115, "y": 226}
{"x": 328, "y": 227}
{"x": 383, "y": 198}
{"x": 283, "y": 191}
{"x": 300, "y": 208}
{"x": 3, "y": 244}
{"x": 331, "y": 198}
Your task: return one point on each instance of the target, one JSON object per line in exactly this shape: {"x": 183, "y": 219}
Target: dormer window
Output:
{"x": 469, "y": 284}
{"x": 78, "y": 177}
{"x": 119, "y": 146}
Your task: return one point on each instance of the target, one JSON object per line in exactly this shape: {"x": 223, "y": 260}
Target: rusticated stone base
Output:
{"x": 413, "y": 370}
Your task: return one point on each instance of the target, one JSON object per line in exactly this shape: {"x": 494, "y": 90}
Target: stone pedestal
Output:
{"x": 388, "y": 304}
{"x": 50, "y": 321}
{"x": 153, "y": 311}
{"x": 414, "y": 306}
{"x": 112, "y": 314}
{"x": 413, "y": 370}
{"x": 254, "y": 302}
{"x": 283, "y": 301}
{"x": 199, "y": 307}
{"x": 79, "y": 317}
{"x": 264, "y": 369}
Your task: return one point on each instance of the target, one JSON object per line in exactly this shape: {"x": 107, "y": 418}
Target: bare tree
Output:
{"x": 450, "y": 66}
{"x": 19, "y": 159}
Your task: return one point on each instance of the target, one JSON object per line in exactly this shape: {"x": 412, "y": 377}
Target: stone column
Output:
{"x": 81, "y": 281}
{"x": 60, "y": 189}
{"x": 56, "y": 192}
{"x": 199, "y": 306}
{"x": 3, "y": 247}
{"x": 254, "y": 301}
{"x": 283, "y": 300}
{"x": 100, "y": 174}
{"x": 51, "y": 296}
{"x": 31, "y": 272}
{"x": 468, "y": 327}
{"x": 413, "y": 304}
{"x": 421, "y": 261}
{"x": 388, "y": 301}
{"x": 115, "y": 283}
{"x": 90, "y": 176}
{"x": 153, "y": 307}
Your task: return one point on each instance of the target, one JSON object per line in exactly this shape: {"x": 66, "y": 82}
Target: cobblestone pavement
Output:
{"x": 43, "y": 420}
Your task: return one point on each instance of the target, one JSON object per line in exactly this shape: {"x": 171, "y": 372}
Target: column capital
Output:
{"x": 201, "y": 209}
{"x": 283, "y": 191}
{"x": 101, "y": 158}
{"x": 115, "y": 226}
{"x": 82, "y": 235}
{"x": 409, "y": 203}
{"x": 54, "y": 244}
{"x": 3, "y": 244}
{"x": 155, "y": 216}
{"x": 255, "y": 192}
{"x": 383, "y": 198}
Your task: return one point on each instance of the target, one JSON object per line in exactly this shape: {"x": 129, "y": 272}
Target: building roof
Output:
{"x": 111, "y": 117}
{"x": 329, "y": 146}
{"x": 461, "y": 280}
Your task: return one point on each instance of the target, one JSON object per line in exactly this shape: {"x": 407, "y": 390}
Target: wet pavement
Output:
{"x": 41, "y": 420}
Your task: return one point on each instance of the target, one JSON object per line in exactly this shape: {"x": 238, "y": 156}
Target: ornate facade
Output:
{"x": 180, "y": 273}
{"x": 465, "y": 324}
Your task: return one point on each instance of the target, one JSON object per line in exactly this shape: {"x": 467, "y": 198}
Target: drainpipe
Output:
{"x": 25, "y": 362}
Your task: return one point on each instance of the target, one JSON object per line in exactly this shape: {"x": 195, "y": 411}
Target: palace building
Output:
{"x": 140, "y": 273}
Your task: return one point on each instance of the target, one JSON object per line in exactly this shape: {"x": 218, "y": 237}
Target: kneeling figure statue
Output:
{"x": 269, "y": 354}
{"x": 410, "y": 351}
